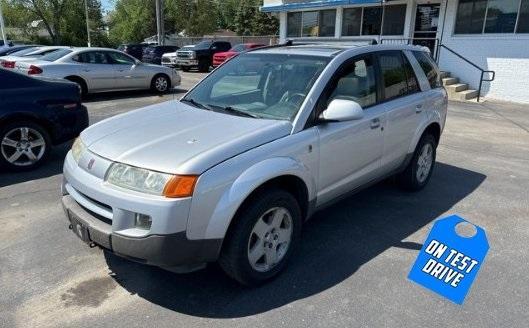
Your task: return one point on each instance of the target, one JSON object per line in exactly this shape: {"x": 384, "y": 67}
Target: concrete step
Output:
{"x": 458, "y": 87}
{"x": 465, "y": 95}
{"x": 444, "y": 74}
{"x": 450, "y": 80}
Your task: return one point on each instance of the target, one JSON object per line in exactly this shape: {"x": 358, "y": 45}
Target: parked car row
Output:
{"x": 93, "y": 69}
{"x": 205, "y": 54}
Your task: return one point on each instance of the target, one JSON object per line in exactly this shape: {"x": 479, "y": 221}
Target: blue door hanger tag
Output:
{"x": 448, "y": 263}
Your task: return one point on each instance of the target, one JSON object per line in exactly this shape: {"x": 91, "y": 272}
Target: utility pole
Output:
{"x": 159, "y": 22}
{"x": 2, "y": 26}
{"x": 87, "y": 23}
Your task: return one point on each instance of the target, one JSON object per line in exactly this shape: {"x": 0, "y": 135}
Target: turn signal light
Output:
{"x": 180, "y": 186}
{"x": 34, "y": 70}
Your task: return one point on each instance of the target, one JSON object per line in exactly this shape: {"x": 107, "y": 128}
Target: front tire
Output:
{"x": 23, "y": 146}
{"x": 420, "y": 169}
{"x": 160, "y": 83}
{"x": 263, "y": 237}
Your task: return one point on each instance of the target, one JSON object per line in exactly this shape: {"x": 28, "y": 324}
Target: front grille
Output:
{"x": 97, "y": 202}
{"x": 97, "y": 216}
{"x": 166, "y": 59}
{"x": 184, "y": 54}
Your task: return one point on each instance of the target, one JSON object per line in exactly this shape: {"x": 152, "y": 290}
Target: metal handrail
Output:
{"x": 483, "y": 71}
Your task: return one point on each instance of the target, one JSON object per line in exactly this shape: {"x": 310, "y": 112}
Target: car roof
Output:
{"x": 332, "y": 49}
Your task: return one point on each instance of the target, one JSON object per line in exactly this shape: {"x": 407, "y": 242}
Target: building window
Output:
{"x": 311, "y": 23}
{"x": 371, "y": 20}
{"x": 501, "y": 16}
{"x": 352, "y": 20}
{"x": 492, "y": 16}
{"x": 394, "y": 17}
{"x": 523, "y": 19}
{"x": 293, "y": 24}
{"x": 367, "y": 20}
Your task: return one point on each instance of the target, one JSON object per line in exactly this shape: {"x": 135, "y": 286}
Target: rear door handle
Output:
{"x": 86, "y": 70}
{"x": 375, "y": 123}
{"x": 418, "y": 108}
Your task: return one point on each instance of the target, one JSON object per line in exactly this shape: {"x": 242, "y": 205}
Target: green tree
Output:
{"x": 203, "y": 18}
{"x": 251, "y": 21}
{"x": 132, "y": 21}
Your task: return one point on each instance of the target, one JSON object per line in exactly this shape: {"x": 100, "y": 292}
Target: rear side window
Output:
{"x": 413, "y": 84}
{"x": 92, "y": 57}
{"x": 395, "y": 81}
{"x": 428, "y": 67}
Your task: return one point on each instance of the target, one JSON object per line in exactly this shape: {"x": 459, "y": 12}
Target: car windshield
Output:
{"x": 57, "y": 54}
{"x": 23, "y": 52}
{"x": 203, "y": 45}
{"x": 259, "y": 85}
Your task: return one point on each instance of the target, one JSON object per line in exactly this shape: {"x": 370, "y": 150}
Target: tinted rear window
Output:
{"x": 428, "y": 67}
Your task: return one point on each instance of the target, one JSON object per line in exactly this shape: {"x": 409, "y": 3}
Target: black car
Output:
{"x": 200, "y": 55}
{"x": 10, "y": 50}
{"x": 34, "y": 115}
{"x": 153, "y": 54}
{"x": 135, "y": 50}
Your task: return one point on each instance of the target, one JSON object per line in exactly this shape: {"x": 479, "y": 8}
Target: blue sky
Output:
{"x": 107, "y": 4}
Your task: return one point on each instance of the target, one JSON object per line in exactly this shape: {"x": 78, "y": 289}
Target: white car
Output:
{"x": 101, "y": 69}
{"x": 169, "y": 59}
{"x": 26, "y": 55}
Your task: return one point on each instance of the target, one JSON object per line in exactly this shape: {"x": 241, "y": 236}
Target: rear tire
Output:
{"x": 264, "y": 236}
{"x": 421, "y": 166}
{"x": 81, "y": 83}
{"x": 23, "y": 146}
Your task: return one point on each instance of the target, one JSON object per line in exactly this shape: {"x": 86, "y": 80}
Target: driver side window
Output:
{"x": 357, "y": 82}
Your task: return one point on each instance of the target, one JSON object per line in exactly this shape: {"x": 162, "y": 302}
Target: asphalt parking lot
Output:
{"x": 350, "y": 270}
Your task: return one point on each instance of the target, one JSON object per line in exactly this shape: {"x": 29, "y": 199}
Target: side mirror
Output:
{"x": 342, "y": 110}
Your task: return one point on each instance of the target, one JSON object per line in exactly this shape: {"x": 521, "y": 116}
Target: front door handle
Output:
{"x": 418, "y": 108}
{"x": 86, "y": 70}
{"x": 375, "y": 123}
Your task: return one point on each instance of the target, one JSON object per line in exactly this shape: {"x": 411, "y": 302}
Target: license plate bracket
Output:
{"x": 79, "y": 228}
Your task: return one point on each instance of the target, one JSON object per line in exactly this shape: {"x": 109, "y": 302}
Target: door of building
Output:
{"x": 426, "y": 23}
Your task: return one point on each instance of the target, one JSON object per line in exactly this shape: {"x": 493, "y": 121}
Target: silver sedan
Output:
{"x": 101, "y": 69}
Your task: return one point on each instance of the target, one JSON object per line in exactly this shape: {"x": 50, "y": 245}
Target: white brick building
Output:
{"x": 491, "y": 34}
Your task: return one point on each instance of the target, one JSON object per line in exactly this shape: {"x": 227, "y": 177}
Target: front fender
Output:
{"x": 224, "y": 205}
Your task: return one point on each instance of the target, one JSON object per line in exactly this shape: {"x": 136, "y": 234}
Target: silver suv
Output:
{"x": 232, "y": 171}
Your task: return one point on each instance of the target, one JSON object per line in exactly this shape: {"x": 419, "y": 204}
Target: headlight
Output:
{"x": 193, "y": 54}
{"x": 151, "y": 182}
{"x": 77, "y": 149}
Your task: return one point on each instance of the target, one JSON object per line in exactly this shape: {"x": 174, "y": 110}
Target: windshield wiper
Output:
{"x": 236, "y": 111}
{"x": 195, "y": 103}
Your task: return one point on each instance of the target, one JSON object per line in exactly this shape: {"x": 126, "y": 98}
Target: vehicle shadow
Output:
{"x": 51, "y": 167}
{"x": 116, "y": 95}
{"x": 336, "y": 243}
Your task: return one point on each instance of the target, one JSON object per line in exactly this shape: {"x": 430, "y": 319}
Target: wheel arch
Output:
{"x": 28, "y": 116}
{"x": 433, "y": 128}
{"x": 284, "y": 173}
{"x": 73, "y": 78}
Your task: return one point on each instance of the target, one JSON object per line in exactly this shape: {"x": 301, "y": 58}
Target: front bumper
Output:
{"x": 186, "y": 62}
{"x": 167, "y": 251}
{"x": 106, "y": 215}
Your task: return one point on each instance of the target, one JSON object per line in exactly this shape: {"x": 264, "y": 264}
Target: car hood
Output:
{"x": 176, "y": 138}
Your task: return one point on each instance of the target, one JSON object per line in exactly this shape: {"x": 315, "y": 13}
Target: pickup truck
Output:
{"x": 201, "y": 55}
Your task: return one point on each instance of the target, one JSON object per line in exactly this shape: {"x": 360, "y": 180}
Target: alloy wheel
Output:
{"x": 161, "y": 84}
{"x": 424, "y": 162}
{"x": 270, "y": 239}
{"x": 23, "y": 146}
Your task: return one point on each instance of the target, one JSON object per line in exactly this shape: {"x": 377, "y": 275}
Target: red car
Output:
{"x": 221, "y": 57}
